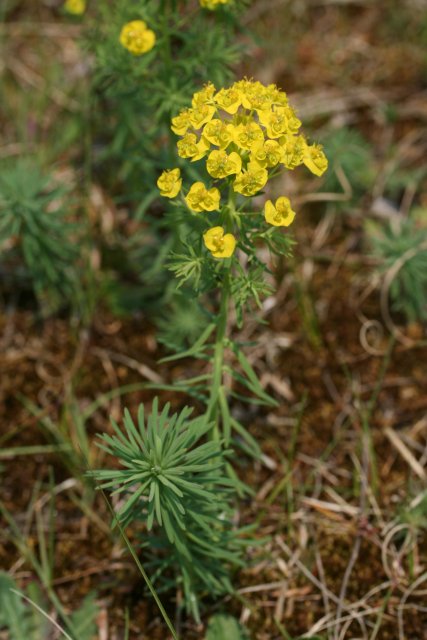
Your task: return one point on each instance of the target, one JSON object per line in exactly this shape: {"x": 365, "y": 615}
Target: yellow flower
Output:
{"x": 280, "y": 214}
{"x": 220, "y": 244}
{"x": 228, "y": 100}
{"x": 201, "y": 199}
{"x": 204, "y": 96}
{"x": 247, "y": 135}
{"x": 254, "y": 95}
{"x": 315, "y": 160}
{"x": 220, "y": 165}
{"x": 136, "y": 38}
{"x": 267, "y": 154}
{"x": 201, "y": 114}
{"x": 293, "y": 148}
{"x": 212, "y": 4}
{"x": 76, "y": 7}
{"x": 181, "y": 122}
{"x": 275, "y": 121}
{"x": 191, "y": 147}
{"x": 249, "y": 182}
{"x": 170, "y": 183}
{"x": 218, "y": 132}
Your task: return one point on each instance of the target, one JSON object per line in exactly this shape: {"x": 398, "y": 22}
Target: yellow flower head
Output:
{"x": 76, "y": 7}
{"x": 244, "y": 132}
{"x": 191, "y": 147}
{"x": 228, "y": 100}
{"x": 201, "y": 199}
{"x": 315, "y": 160}
{"x": 212, "y": 4}
{"x": 267, "y": 154}
{"x": 294, "y": 148}
{"x": 219, "y": 133}
{"x": 181, "y": 123}
{"x": 136, "y": 38}
{"x": 201, "y": 114}
{"x": 220, "y": 164}
{"x": 249, "y": 182}
{"x": 248, "y": 134}
{"x": 170, "y": 183}
{"x": 280, "y": 214}
{"x": 220, "y": 244}
{"x": 204, "y": 96}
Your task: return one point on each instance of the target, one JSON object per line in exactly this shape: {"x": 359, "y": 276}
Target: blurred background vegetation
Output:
{"x": 87, "y": 301}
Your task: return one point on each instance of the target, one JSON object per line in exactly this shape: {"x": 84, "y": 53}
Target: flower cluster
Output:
{"x": 212, "y": 4}
{"x": 75, "y": 7}
{"x": 247, "y": 133}
{"x": 137, "y": 38}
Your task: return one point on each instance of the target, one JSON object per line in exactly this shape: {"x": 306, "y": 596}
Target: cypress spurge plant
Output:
{"x": 176, "y": 475}
{"x": 242, "y": 136}
{"x": 173, "y": 480}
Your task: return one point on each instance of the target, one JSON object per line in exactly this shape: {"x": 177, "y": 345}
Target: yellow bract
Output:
{"x": 247, "y": 135}
{"x": 219, "y": 133}
{"x": 220, "y": 244}
{"x": 170, "y": 183}
{"x": 181, "y": 122}
{"x": 228, "y": 100}
{"x": 192, "y": 148}
{"x": 220, "y": 165}
{"x": 315, "y": 160}
{"x": 201, "y": 199}
{"x": 267, "y": 154}
{"x": 76, "y": 7}
{"x": 137, "y": 38}
{"x": 249, "y": 182}
{"x": 280, "y": 214}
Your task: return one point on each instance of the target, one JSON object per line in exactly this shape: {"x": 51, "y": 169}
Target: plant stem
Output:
{"x": 218, "y": 357}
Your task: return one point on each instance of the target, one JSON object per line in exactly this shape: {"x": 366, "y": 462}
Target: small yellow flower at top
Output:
{"x": 204, "y": 96}
{"x": 136, "y": 38}
{"x": 228, "y": 100}
{"x": 201, "y": 199}
{"x": 280, "y": 214}
{"x": 212, "y": 4}
{"x": 76, "y": 7}
{"x": 170, "y": 183}
{"x": 315, "y": 160}
{"x": 220, "y": 244}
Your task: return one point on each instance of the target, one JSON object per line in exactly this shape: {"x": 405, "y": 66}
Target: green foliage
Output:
{"x": 174, "y": 482}
{"x": 83, "y": 620}
{"x": 142, "y": 93}
{"x": 34, "y": 229}
{"x": 20, "y": 620}
{"x": 223, "y": 626}
{"x": 248, "y": 286}
{"x": 30, "y": 621}
{"x": 181, "y": 322}
{"x": 403, "y": 249}
{"x": 350, "y": 153}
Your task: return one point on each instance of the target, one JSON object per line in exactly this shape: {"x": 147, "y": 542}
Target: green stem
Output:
{"x": 218, "y": 357}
